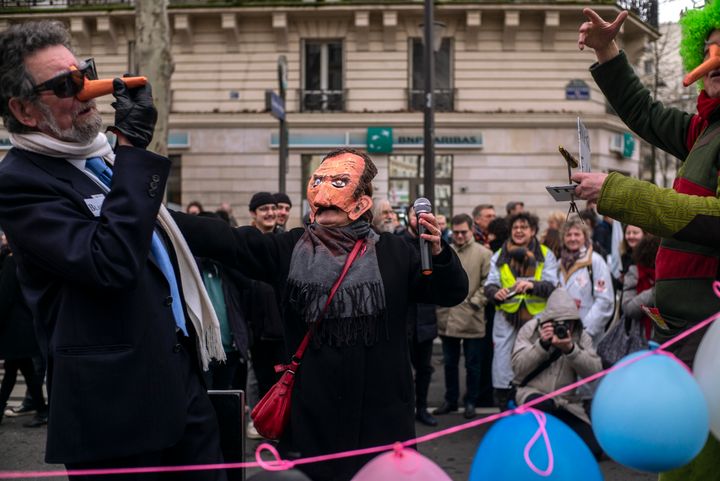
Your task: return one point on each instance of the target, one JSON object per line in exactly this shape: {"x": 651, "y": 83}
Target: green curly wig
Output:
{"x": 696, "y": 27}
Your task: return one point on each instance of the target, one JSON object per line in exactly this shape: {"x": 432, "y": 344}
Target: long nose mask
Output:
{"x": 100, "y": 87}
{"x": 712, "y": 63}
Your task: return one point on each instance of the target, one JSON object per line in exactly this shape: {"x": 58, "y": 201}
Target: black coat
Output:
{"x": 17, "y": 335}
{"x": 422, "y": 318}
{"x": 346, "y": 397}
{"x": 101, "y": 304}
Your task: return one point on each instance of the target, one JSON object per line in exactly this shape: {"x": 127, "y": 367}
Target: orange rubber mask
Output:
{"x": 712, "y": 62}
{"x": 333, "y": 184}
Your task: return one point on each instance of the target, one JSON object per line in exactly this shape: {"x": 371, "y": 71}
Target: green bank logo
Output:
{"x": 380, "y": 140}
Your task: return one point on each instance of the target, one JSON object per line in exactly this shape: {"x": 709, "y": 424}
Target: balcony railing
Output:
{"x": 62, "y": 3}
{"x": 322, "y": 100}
{"x": 444, "y": 100}
{"x": 647, "y": 10}
{"x": 105, "y": 3}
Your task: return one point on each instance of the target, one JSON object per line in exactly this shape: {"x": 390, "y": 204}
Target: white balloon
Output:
{"x": 706, "y": 368}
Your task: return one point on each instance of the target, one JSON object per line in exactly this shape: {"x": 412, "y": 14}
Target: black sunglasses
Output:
{"x": 70, "y": 83}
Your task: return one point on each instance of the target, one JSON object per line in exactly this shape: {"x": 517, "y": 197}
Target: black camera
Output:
{"x": 561, "y": 329}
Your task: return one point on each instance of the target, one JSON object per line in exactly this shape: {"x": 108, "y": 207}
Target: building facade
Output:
{"x": 510, "y": 86}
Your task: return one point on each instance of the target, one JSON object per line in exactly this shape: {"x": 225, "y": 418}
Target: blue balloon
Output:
{"x": 650, "y": 415}
{"x": 500, "y": 456}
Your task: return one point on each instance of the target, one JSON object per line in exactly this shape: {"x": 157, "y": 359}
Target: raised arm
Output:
{"x": 53, "y": 234}
{"x": 661, "y": 211}
{"x": 528, "y": 352}
{"x": 264, "y": 257}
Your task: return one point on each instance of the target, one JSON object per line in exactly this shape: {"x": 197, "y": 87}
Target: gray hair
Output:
{"x": 577, "y": 222}
{"x": 16, "y": 44}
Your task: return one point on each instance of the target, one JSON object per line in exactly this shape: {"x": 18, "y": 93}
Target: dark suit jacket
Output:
{"x": 100, "y": 303}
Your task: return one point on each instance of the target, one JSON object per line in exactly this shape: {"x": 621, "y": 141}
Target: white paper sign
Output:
{"x": 584, "y": 141}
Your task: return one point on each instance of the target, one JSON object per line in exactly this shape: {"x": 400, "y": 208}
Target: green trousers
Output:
{"x": 705, "y": 466}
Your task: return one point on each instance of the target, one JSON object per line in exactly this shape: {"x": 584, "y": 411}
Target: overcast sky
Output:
{"x": 670, "y": 9}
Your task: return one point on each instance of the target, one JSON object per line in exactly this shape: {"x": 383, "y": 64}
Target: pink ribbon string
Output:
{"x": 541, "y": 431}
{"x": 279, "y": 464}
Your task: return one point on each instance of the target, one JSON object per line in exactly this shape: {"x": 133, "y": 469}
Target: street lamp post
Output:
{"x": 429, "y": 104}
{"x": 283, "y": 147}
{"x": 432, "y": 40}
{"x": 275, "y": 104}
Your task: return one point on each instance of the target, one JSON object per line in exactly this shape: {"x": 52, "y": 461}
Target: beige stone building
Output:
{"x": 510, "y": 85}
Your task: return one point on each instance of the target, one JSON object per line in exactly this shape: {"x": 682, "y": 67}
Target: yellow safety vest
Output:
{"x": 534, "y": 304}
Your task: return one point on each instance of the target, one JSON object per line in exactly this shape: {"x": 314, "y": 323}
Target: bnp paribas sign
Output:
{"x": 383, "y": 140}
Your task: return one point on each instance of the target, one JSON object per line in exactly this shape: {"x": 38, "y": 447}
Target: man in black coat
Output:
{"x": 422, "y": 322}
{"x": 354, "y": 388}
{"x": 121, "y": 334}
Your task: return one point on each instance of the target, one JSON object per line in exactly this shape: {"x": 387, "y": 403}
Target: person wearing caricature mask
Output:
{"x": 355, "y": 387}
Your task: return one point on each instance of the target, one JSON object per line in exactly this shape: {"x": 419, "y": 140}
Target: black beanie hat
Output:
{"x": 282, "y": 197}
{"x": 261, "y": 198}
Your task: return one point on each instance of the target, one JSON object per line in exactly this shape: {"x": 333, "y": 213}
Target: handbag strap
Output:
{"x": 350, "y": 258}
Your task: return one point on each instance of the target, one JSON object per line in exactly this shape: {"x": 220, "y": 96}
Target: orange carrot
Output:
{"x": 712, "y": 63}
{"x": 98, "y": 88}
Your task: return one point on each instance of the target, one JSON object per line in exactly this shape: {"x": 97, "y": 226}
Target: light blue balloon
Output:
{"x": 500, "y": 455}
{"x": 650, "y": 415}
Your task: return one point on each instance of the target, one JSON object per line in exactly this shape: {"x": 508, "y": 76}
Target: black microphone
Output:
{"x": 422, "y": 205}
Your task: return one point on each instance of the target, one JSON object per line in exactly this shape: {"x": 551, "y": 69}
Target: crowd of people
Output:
{"x": 511, "y": 271}
{"x": 125, "y": 303}
{"x": 514, "y": 280}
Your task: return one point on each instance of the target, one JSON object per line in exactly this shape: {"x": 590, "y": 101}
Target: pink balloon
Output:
{"x": 401, "y": 464}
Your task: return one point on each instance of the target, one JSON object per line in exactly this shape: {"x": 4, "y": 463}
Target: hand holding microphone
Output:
{"x": 429, "y": 234}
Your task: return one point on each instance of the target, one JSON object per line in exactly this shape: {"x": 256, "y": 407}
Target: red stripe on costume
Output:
{"x": 672, "y": 264}
{"x": 697, "y": 125}
{"x": 685, "y": 186}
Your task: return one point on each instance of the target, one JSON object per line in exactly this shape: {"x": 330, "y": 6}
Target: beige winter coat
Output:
{"x": 467, "y": 320}
{"x": 527, "y": 354}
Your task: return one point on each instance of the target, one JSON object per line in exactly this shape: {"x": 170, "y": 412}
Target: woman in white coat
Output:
{"x": 586, "y": 277}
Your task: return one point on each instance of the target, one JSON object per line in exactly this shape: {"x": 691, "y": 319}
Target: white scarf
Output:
{"x": 199, "y": 306}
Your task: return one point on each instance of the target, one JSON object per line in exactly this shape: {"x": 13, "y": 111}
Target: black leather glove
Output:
{"x": 135, "y": 113}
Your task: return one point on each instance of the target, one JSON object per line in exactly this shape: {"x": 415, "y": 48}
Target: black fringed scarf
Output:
{"x": 358, "y": 312}
{"x": 522, "y": 260}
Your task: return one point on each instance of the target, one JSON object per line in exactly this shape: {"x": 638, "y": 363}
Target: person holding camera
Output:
{"x": 551, "y": 351}
{"x": 523, "y": 273}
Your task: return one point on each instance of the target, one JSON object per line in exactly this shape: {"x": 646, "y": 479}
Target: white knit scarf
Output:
{"x": 198, "y": 303}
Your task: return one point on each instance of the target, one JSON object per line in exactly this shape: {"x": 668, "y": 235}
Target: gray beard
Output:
{"x": 81, "y": 133}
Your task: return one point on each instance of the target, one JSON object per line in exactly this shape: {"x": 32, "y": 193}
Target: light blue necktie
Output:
{"x": 98, "y": 167}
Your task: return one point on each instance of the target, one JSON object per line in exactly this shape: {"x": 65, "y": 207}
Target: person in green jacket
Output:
{"x": 687, "y": 216}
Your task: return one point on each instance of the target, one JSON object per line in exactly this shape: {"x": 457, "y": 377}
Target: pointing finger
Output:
{"x": 619, "y": 20}
{"x": 593, "y": 16}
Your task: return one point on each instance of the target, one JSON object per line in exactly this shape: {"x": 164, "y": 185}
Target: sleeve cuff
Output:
{"x": 572, "y": 355}
{"x": 609, "y": 66}
{"x": 445, "y": 256}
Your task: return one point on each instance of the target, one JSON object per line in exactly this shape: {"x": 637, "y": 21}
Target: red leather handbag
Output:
{"x": 271, "y": 415}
